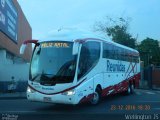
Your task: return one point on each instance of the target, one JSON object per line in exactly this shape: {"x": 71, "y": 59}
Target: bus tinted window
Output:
{"x": 108, "y": 51}
{"x": 89, "y": 55}
{"x": 117, "y": 53}
{"x": 122, "y": 54}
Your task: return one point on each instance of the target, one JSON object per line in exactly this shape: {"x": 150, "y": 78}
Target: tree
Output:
{"x": 149, "y": 51}
{"x": 117, "y": 30}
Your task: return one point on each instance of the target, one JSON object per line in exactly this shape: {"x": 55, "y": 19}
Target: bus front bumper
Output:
{"x": 55, "y": 98}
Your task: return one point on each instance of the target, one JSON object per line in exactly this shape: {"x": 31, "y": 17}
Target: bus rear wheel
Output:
{"x": 96, "y": 97}
{"x": 130, "y": 89}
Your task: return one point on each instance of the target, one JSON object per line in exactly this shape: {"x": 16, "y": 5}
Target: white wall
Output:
{"x": 9, "y": 69}
{"x": 20, "y": 72}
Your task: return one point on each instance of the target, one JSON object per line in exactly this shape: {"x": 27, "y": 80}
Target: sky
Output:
{"x": 48, "y": 15}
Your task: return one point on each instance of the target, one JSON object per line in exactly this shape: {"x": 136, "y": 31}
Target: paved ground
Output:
{"x": 145, "y": 103}
{"x": 17, "y": 95}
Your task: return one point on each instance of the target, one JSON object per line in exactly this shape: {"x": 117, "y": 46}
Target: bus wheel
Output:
{"x": 96, "y": 97}
{"x": 130, "y": 89}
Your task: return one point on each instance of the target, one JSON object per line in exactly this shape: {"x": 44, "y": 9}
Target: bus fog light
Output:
{"x": 30, "y": 90}
{"x": 70, "y": 92}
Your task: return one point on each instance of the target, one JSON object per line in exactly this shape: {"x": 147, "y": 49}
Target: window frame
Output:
{"x": 119, "y": 53}
{"x": 93, "y": 64}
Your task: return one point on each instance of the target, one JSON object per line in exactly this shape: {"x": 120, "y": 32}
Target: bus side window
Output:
{"x": 122, "y": 54}
{"x": 105, "y": 50}
{"x": 125, "y": 55}
{"x": 108, "y": 51}
{"x": 135, "y": 59}
{"x": 89, "y": 56}
{"x": 117, "y": 53}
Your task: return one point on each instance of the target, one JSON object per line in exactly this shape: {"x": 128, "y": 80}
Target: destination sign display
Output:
{"x": 56, "y": 44}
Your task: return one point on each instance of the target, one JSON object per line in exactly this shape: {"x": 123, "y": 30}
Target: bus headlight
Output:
{"x": 30, "y": 90}
{"x": 69, "y": 93}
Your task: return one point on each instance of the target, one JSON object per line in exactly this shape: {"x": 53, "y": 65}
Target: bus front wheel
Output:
{"x": 96, "y": 96}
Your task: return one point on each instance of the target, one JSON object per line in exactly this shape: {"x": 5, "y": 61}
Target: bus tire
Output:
{"x": 96, "y": 97}
{"x": 130, "y": 89}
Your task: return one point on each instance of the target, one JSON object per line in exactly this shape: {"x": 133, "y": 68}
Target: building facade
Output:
{"x": 14, "y": 29}
{"x": 17, "y": 29}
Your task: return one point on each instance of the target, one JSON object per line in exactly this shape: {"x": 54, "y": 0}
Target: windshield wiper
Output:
{"x": 42, "y": 75}
{"x": 35, "y": 77}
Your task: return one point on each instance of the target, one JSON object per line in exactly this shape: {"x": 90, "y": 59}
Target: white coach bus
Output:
{"x": 75, "y": 67}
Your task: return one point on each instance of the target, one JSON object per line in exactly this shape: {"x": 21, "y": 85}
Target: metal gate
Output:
{"x": 156, "y": 77}
{"x": 146, "y": 77}
{"x": 150, "y": 77}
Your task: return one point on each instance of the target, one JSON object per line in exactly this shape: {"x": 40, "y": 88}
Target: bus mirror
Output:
{"x": 75, "y": 48}
{"x": 23, "y": 46}
{"x": 22, "y": 49}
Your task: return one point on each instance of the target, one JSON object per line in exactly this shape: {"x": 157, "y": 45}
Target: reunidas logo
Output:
{"x": 115, "y": 67}
{"x": 3, "y": 3}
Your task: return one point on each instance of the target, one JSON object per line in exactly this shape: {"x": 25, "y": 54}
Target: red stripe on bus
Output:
{"x": 60, "y": 91}
{"x": 87, "y": 98}
{"x": 132, "y": 69}
{"x": 30, "y": 41}
{"x": 120, "y": 87}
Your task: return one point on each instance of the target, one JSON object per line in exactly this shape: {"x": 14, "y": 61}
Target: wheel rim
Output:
{"x": 129, "y": 89}
{"x": 95, "y": 98}
{"x": 132, "y": 88}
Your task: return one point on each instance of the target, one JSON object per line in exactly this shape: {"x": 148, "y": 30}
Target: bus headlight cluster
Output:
{"x": 30, "y": 90}
{"x": 69, "y": 93}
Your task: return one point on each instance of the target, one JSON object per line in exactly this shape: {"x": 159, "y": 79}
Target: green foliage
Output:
{"x": 149, "y": 51}
{"x": 117, "y": 30}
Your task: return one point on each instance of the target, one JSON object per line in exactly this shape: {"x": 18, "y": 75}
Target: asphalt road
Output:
{"x": 143, "y": 103}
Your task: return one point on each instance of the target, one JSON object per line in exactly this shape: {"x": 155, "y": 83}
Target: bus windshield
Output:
{"x": 53, "y": 63}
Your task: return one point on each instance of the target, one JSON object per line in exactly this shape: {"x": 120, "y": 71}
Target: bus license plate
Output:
{"x": 47, "y": 99}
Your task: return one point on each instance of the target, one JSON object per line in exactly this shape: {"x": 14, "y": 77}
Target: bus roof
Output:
{"x": 69, "y": 35}
{"x": 73, "y": 34}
